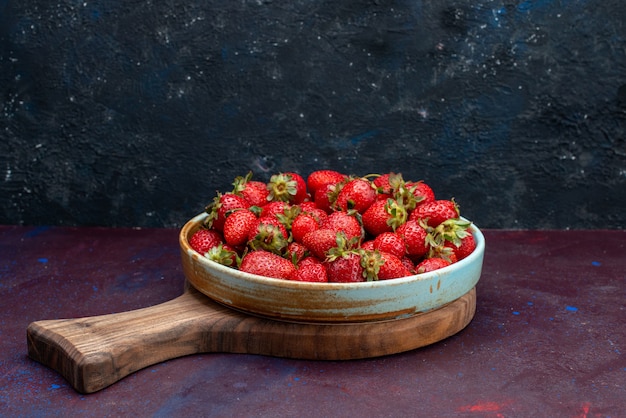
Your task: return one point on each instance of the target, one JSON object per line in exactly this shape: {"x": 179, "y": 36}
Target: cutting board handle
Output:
{"x": 95, "y": 352}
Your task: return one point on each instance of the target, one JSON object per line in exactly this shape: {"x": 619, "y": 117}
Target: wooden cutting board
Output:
{"x": 95, "y": 352}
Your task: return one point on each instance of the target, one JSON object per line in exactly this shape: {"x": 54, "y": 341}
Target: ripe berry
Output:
{"x": 390, "y": 242}
{"x": 343, "y": 222}
{"x": 267, "y": 264}
{"x": 205, "y": 239}
{"x": 414, "y": 236}
{"x": 237, "y": 227}
{"x": 436, "y": 212}
{"x": 310, "y": 269}
{"x": 358, "y": 195}
{"x": 431, "y": 264}
{"x": 321, "y": 178}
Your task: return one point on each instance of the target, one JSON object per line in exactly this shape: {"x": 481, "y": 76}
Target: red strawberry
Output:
{"x": 325, "y": 196}
{"x": 441, "y": 251}
{"x": 238, "y": 225}
{"x": 204, "y": 239}
{"x": 465, "y": 247}
{"x": 346, "y": 268}
{"x": 383, "y": 216}
{"x": 410, "y": 194}
{"x": 267, "y": 233}
{"x": 357, "y": 194}
{"x": 223, "y": 254}
{"x": 265, "y": 263}
{"x": 321, "y": 178}
{"x": 408, "y": 263}
{"x": 390, "y": 242}
{"x": 308, "y": 206}
{"x": 368, "y": 245}
{"x": 220, "y": 207}
{"x": 319, "y": 214}
{"x": 383, "y": 186}
{"x": 392, "y": 267}
{"x": 275, "y": 209}
{"x": 375, "y": 218}
{"x": 342, "y": 221}
{"x": 302, "y": 225}
{"x": 287, "y": 187}
{"x": 436, "y": 212}
{"x": 422, "y": 191}
{"x": 381, "y": 265}
{"x": 265, "y": 221}
{"x": 255, "y": 192}
{"x": 310, "y": 269}
{"x": 414, "y": 236}
{"x": 431, "y": 264}
{"x": 296, "y": 252}
{"x": 320, "y": 241}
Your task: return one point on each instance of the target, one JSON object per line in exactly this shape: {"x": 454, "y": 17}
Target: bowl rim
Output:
{"x": 195, "y": 223}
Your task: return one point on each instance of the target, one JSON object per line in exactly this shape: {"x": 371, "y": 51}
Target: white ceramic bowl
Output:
{"x": 329, "y": 302}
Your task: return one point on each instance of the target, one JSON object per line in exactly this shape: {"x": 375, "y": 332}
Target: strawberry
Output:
{"x": 368, "y": 245}
{"x": 275, "y": 209}
{"x": 310, "y": 269}
{"x": 441, "y": 251}
{"x": 390, "y": 242}
{"x": 204, "y": 239}
{"x": 384, "y": 216}
{"x": 308, "y": 206}
{"x": 303, "y": 224}
{"x": 238, "y": 225}
{"x": 408, "y": 263}
{"x": 265, "y": 263}
{"x": 296, "y": 252}
{"x": 381, "y": 265}
{"x": 287, "y": 187}
{"x": 431, "y": 264}
{"x": 383, "y": 186}
{"x": 265, "y": 221}
{"x": 447, "y": 239}
{"x": 343, "y": 222}
{"x": 319, "y": 214}
{"x": 320, "y": 241}
{"x": 325, "y": 196}
{"x": 435, "y": 212}
{"x": 422, "y": 191}
{"x": 375, "y": 218}
{"x": 222, "y": 205}
{"x": 407, "y": 194}
{"x": 345, "y": 268}
{"x": 464, "y": 248}
{"x": 358, "y": 194}
{"x": 267, "y": 233}
{"x": 321, "y": 178}
{"x": 223, "y": 254}
{"x": 414, "y": 236}
{"x": 392, "y": 267}
{"x": 344, "y": 262}
{"x": 255, "y": 192}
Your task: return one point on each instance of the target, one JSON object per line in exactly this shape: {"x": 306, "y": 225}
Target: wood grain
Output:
{"x": 95, "y": 352}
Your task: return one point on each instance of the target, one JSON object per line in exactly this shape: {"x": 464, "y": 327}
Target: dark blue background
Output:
{"x": 136, "y": 112}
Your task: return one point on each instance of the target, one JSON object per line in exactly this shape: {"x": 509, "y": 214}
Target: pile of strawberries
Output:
{"x": 333, "y": 227}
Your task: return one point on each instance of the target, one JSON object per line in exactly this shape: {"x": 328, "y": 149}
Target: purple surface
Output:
{"x": 547, "y": 339}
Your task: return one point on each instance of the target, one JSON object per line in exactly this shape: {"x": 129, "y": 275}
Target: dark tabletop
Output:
{"x": 547, "y": 340}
